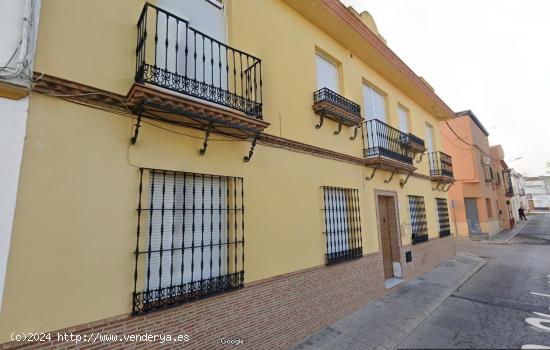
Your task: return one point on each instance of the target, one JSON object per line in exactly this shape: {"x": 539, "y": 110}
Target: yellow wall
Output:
{"x": 74, "y": 233}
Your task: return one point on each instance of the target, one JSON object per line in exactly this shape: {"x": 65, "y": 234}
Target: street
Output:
{"x": 506, "y": 304}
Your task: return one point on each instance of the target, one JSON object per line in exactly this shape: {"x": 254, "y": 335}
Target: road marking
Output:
{"x": 541, "y": 294}
{"x": 533, "y": 346}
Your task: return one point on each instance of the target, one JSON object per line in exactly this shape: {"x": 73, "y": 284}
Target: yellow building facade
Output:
{"x": 320, "y": 219}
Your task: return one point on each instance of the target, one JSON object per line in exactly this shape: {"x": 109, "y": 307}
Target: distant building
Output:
{"x": 502, "y": 187}
{"x": 537, "y": 190}
{"x": 519, "y": 198}
{"x": 474, "y": 200}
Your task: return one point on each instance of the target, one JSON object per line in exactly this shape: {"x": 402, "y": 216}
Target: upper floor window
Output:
{"x": 403, "y": 119}
{"x": 343, "y": 224}
{"x": 327, "y": 73}
{"x": 190, "y": 240}
{"x": 430, "y": 138}
{"x": 375, "y": 104}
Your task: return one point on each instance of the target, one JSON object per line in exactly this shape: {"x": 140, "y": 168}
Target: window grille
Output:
{"x": 443, "y": 215}
{"x": 417, "y": 210}
{"x": 343, "y": 224}
{"x": 190, "y": 238}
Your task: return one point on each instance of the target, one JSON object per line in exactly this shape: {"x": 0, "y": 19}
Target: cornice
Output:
{"x": 102, "y": 99}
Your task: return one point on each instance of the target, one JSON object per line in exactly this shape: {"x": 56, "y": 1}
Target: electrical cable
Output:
{"x": 66, "y": 97}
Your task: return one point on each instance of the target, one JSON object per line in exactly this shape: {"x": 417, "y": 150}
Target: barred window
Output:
{"x": 343, "y": 224}
{"x": 443, "y": 215}
{"x": 190, "y": 238}
{"x": 417, "y": 211}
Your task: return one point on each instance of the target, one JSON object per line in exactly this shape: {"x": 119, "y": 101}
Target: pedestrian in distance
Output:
{"x": 522, "y": 213}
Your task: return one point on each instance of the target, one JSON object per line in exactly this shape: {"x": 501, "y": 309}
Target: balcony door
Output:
{"x": 204, "y": 54}
{"x": 327, "y": 74}
{"x": 430, "y": 138}
{"x": 375, "y": 104}
{"x": 403, "y": 119}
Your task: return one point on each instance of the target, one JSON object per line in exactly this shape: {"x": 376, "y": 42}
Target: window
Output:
{"x": 419, "y": 224}
{"x": 489, "y": 208}
{"x": 190, "y": 238}
{"x": 430, "y": 138}
{"x": 327, "y": 74}
{"x": 443, "y": 216}
{"x": 403, "y": 119}
{"x": 342, "y": 224}
{"x": 375, "y": 104}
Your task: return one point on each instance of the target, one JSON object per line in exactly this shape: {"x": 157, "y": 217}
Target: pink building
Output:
{"x": 475, "y": 203}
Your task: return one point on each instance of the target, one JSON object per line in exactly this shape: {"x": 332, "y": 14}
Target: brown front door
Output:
{"x": 385, "y": 236}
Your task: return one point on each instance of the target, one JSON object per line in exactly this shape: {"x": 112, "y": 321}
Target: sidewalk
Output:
{"x": 384, "y": 323}
{"x": 499, "y": 238}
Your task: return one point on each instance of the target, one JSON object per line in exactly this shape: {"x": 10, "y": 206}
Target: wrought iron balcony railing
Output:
{"x": 329, "y": 104}
{"x": 509, "y": 191}
{"x": 173, "y": 55}
{"x": 441, "y": 164}
{"x": 327, "y": 95}
{"x": 386, "y": 141}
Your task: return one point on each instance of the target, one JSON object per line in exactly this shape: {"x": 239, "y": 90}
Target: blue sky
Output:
{"x": 489, "y": 56}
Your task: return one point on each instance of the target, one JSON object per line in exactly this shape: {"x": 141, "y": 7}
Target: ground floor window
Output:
{"x": 419, "y": 224}
{"x": 190, "y": 238}
{"x": 443, "y": 215}
{"x": 342, "y": 224}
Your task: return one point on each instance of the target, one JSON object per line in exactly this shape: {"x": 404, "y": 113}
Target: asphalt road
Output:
{"x": 495, "y": 308}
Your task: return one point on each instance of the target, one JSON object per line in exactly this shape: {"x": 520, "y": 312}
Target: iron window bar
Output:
{"x": 173, "y": 55}
{"x": 384, "y": 140}
{"x": 190, "y": 238}
{"x": 419, "y": 223}
{"x": 342, "y": 224}
{"x": 443, "y": 216}
{"x": 441, "y": 164}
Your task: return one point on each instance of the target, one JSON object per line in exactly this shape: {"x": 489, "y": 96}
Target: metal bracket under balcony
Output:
{"x": 148, "y": 102}
{"x": 328, "y": 104}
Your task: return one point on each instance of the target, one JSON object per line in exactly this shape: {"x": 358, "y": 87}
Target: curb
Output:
{"x": 517, "y": 230}
{"x": 399, "y": 335}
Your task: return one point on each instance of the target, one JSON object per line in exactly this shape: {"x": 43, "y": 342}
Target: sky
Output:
{"x": 490, "y": 56}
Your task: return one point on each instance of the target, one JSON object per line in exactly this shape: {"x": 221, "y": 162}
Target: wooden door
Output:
{"x": 384, "y": 222}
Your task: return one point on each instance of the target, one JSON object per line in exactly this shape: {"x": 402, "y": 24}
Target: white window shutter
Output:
{"x": 327, "y": 74}
{"x": 403, "y": 120}
{"x": 205, "y": 229}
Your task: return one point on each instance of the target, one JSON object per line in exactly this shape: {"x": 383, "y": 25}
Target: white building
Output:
{"x": 18, "y": 25}
{"x": 519, "y": 198}
{"x": 537, "y": 191}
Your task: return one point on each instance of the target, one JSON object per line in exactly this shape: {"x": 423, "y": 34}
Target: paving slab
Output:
{"x": 386, "y": 322}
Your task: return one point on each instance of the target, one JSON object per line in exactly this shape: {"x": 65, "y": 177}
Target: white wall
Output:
{"x": 13, "y": 120}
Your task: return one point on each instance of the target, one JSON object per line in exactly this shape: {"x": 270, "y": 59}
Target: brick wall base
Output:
{"x": 270, "y": 314}
{"x": 426, "y": 255}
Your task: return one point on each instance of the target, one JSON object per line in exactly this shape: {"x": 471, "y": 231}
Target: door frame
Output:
{"x": 383, "y": 193}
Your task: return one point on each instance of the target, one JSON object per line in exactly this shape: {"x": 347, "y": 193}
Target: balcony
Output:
{"x": 186, "y": 77}
{"x": 387, "y": 147}
{"x": 328, "y": 104}
{"x": 414, "y": 143}
{"x": 509, "y": 191}
{"x": 441, "y": 167}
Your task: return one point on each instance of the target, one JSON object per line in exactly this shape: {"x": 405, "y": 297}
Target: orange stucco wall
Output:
{"x": 470, "y": 175}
